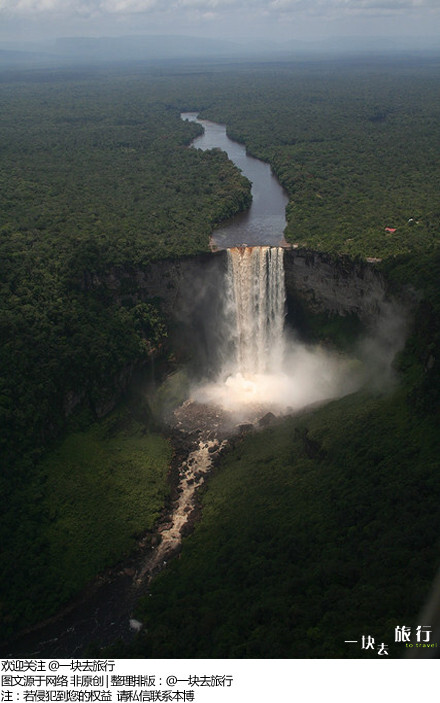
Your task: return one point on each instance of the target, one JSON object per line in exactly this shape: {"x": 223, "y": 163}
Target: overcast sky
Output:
{"x": 273, "y": 19}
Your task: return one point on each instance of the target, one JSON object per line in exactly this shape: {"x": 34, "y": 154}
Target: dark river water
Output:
{"x": 264, "y": 222}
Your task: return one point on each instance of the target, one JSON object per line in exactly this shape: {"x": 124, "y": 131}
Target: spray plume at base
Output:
{"x": 263, "y": 370}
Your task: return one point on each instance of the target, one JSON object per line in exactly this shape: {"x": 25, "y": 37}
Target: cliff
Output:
{"x": 189, "y": 286}
{"x": 333, "y": 284}
{"x": 189, "y": 293}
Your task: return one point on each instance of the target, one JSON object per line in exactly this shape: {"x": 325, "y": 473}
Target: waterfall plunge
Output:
{"x": 263, "y": 371}
{"x": 256, "y": 299}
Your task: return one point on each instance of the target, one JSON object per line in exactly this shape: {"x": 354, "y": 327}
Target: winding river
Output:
{"x": 104, "y": 612}
{"x": 264, "y": 222}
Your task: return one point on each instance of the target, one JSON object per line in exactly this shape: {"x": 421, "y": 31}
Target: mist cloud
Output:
{"x": 91, "y": 7}
{"x": 346, "y": 7}
{"x": 23, "y": 7}
{"x": 274, "y": 21}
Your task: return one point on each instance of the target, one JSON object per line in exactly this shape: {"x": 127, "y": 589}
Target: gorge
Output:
{"x": 228, "y": 312}
{"x": 292, "y": 513}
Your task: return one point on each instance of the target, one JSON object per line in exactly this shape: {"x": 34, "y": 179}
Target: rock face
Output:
{"x": 336, "y": 285}
{"x": 190, "y": 292}
{"x": 188, "y": 288}
{"x": 183, "y": 285}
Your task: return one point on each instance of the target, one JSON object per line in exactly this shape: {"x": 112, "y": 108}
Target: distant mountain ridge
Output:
{"x": 121, "y": 48}
{"x": 144, "y": 46}
{"x": 150, "y": 48}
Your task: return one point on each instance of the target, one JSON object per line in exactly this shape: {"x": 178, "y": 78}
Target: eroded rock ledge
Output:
{"x": 190, "y": 285}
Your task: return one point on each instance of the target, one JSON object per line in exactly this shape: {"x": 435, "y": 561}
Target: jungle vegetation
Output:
{"x": 354, "y": 149}
{"x": 96, "y": 174}
{"x": 320, "y": 530}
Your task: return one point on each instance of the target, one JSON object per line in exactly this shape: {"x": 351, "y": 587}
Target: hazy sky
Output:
{"x": 273, "y": 19}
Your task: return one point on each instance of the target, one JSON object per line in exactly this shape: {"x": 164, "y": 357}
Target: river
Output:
{"x": 265, "y": 221}
{"x": 104, "y": 612}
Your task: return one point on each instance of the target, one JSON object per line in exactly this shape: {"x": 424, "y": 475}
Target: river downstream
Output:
{"x": 105, "y": 612}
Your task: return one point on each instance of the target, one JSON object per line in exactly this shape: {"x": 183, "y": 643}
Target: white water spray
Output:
{"x": 265, "y": 371}
{"x": 256, "y": 299}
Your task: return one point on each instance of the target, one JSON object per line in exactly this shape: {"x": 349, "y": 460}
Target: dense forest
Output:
{"x": 323, "y": 523}
{"x": 355, "y": 151}
{"x": 95, "y": 175}
{"x": 334, "y": 536}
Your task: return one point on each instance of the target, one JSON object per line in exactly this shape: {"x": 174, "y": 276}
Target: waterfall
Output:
{"x": 256, "y": 301}
{"x": 262, "y": 370}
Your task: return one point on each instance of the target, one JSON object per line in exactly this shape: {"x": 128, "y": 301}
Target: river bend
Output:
{"x": 264, "y": 223}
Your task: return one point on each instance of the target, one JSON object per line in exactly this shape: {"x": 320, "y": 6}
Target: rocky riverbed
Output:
{"x": 104, "y": 613}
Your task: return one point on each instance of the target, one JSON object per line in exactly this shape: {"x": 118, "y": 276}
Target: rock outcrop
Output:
{"x": 189, "y": 286}
{"x": 189, "y": 292}
{"x": 333, "y": 284}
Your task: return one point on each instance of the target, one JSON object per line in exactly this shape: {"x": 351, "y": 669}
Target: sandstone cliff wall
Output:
{"x": 336, "y": 285}
{"x": 189, "y": 291}
{"x": 191, "y": 285}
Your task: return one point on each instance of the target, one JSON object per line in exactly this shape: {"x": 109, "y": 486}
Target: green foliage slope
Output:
{"x": 94, "y": 174}
{"x": 77, "y": 514}
{"x": 315, "y": 532}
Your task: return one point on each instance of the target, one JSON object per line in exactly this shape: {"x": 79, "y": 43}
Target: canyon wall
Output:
{"x": 190, "y": 293}
{"x": 191, "y": 286}
{"x": 336, "y": 285}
